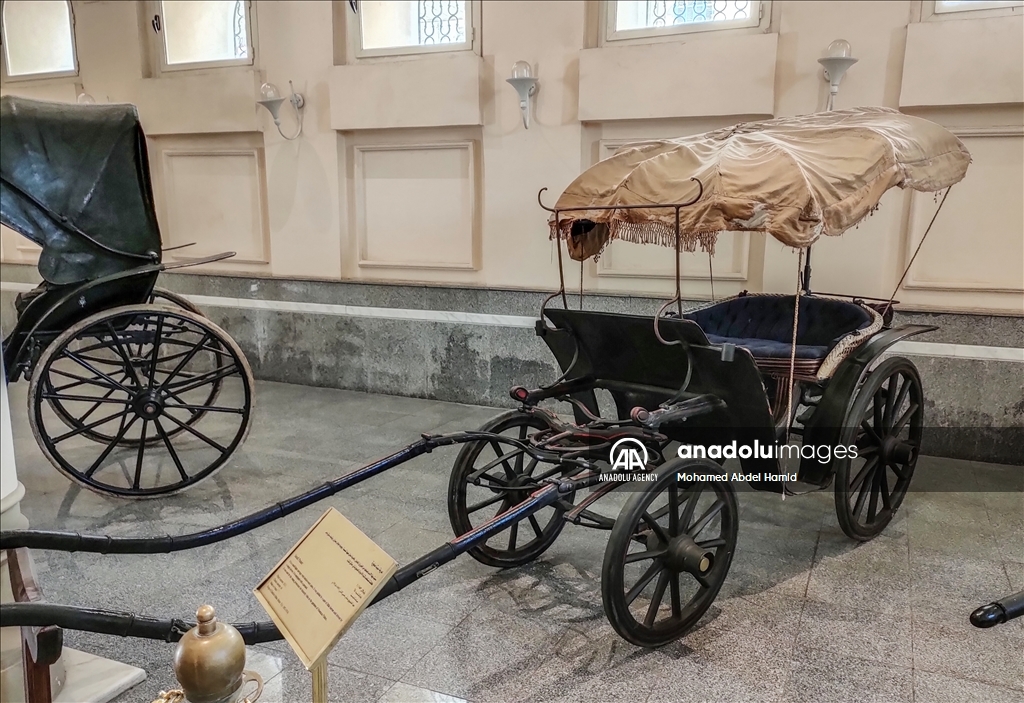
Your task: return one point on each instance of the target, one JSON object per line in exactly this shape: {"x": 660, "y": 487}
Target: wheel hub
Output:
{"x": 148, "y": 405}
{"x": 683, "y": 554}
{"x": 896, "y": 450}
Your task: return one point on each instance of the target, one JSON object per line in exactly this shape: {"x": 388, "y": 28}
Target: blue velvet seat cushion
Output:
{"x": 763, "y": 324}
{"x": 770, "y": 349}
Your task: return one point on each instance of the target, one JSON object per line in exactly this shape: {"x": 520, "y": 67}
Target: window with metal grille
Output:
{"x": 630, "y": 19}
{"x": 202, "y": 33}
{"x": 38, "y": 39}
{"x": 389, "y": 27}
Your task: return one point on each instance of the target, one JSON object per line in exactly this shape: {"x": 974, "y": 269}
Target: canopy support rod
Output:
{"x": 711, "y": 276}
{"x": 792, "y": 352}
{"x": 679, "y": 295}
{"x": 581, "y": 284}
{"x": 918, "y": 249}
{"x": 558, "y": 248}
{"x": 807, "y": 272}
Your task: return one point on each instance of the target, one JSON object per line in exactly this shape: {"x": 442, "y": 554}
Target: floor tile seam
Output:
{"x": 412, "y": 666}
{"x": 357, "y": 669}
{"x": 910, "y": 602}
{"x": 924, "y": 551}
{"x": 374, "y": 534}
{"x": 1009, "y": 579}
{"x": 967, "y": 679}
{"x": 1000, "y": 686}
{"x": 386, "y": 692}
{"x": 349, "y": 669}
{"x": 914, "y": 516}
{"x": 916, "y": 668}
{"x": 830, "y": 600}
{"x": 424, "y": 688}
{"x": 846, "y": 656}
{"x": 451, "y": 628}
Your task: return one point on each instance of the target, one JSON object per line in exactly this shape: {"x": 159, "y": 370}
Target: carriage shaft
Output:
{"x": 105, "y": 544}
{"x": 131, "y": 625}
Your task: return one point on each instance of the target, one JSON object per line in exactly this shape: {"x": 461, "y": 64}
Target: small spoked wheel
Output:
{"x": 116, "y": 400}
{"x": 668, "y": 554}
{"x": 885, "y": 424}
{"x": 490, "y": 477}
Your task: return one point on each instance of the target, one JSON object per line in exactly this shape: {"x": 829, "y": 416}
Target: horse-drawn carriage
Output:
{"x": 745, "y": 373}
{"x": 133, "y": 392}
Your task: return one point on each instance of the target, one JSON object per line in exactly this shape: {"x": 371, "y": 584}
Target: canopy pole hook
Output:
{"x": 541, "y": 202}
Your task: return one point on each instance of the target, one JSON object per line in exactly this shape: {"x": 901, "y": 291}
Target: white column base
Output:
{"x": 92, "y": 679}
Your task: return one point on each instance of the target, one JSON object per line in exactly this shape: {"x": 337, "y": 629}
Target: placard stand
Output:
{"x": 320, "y": 587}
{"x": 319, "y": 672}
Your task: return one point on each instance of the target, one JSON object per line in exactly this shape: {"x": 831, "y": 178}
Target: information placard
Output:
{"x": 322, "y": 584}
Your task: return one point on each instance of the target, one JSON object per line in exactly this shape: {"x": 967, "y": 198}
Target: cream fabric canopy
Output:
{"x": 795, "y": 178}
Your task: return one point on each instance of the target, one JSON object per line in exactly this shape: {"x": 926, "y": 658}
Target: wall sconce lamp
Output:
{"x": 270, "y": 98}
{"x": 837, "y": 62}
{"x": 526, "y": 85}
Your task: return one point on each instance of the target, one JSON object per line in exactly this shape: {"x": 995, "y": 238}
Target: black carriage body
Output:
{"x": 75, "y": 180}
{"x": 623, "y": 355}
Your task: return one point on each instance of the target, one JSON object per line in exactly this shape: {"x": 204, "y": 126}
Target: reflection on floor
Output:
{"x": 805, "y": 615}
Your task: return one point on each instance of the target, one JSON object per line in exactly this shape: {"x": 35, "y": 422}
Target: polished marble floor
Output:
{"x": 805, "y": 615}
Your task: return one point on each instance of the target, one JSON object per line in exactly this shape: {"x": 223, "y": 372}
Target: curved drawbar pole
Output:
{"x": 130, "y": 625}
{"x": 105, "y": 544}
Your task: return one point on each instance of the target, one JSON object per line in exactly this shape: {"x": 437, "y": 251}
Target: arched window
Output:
{"x": 38, "y": 39}
{"x": 201, "y": 33}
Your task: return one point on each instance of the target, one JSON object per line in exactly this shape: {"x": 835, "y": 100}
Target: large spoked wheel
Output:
{"x": 488, "y": 478}
{"x": 885, "y": 424}
{"x": 668, "y": 554}
{"x": 158, "y": 296}
{"x": 131, "y": 383}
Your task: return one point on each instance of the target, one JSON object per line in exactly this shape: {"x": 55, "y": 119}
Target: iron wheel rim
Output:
{"x": 177, "y": 439}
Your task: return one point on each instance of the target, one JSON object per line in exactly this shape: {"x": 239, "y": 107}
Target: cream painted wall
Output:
{"x": 314, "y": 215}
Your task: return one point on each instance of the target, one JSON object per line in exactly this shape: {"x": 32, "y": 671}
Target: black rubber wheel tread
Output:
{"x": 867, "y": 498}
{"x": 632, "y": 527}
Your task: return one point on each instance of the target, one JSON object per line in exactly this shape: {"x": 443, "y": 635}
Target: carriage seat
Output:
{"x": 763, "y": 324}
